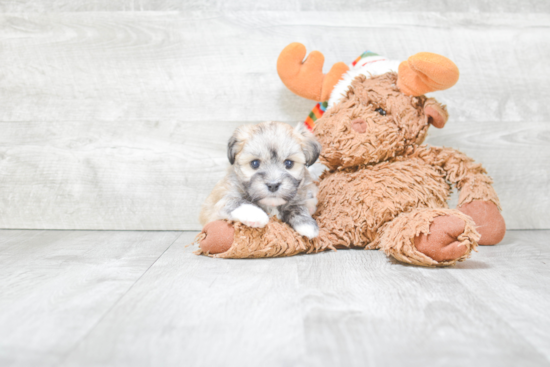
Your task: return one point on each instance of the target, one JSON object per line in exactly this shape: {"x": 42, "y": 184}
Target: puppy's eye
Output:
{"x": 381, "y": 111}
{"x": 255, "y": 164}
{"x": 289, "y": 164}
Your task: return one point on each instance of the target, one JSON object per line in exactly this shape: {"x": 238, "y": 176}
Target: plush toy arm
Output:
{"x": 470, "y": 178}
{"x": 234, "y": 240}
{"x": 477, "y": 197}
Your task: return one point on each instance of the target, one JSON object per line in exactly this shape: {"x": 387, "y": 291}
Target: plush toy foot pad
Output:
{"x": 218, "y": 237}
{"x": 442, "y": 244}
{"x": 489, "y": 222}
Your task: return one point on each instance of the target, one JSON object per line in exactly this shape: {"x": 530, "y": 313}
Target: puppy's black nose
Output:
{"x": 274, "y": 186}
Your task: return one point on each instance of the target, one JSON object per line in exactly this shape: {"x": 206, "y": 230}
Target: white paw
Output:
{"x": 308, "y": 230}
{"x": 250, "y": 215}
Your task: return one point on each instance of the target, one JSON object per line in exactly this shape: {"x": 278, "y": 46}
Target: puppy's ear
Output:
{"x": 232, "y": 146}
{"x": 236, "y": 142}
{"x": 310, "y": 146}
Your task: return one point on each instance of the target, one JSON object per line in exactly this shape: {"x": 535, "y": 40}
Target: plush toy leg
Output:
{"x": 430, "y": 237}
{"x": 235, "y": 240}
{"x": 489, "y": 222}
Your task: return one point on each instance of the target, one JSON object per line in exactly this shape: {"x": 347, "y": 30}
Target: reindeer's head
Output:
{"x": 379, "y": 116}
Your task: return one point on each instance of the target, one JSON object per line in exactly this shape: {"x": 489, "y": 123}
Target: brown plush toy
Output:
{"x": 383, "y": 189}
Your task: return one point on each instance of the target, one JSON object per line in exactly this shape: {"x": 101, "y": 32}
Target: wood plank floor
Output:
{"x": 107, "y": 298}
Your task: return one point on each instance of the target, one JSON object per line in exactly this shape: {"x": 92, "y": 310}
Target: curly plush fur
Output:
{"x": 383, "y": 189}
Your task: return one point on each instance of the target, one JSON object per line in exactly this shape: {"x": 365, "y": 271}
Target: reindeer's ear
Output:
{"x": 310, "y": 146}
{"x": 436, "y": 113}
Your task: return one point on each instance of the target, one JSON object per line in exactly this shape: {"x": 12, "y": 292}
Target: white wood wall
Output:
{"x": 115, "y": 115}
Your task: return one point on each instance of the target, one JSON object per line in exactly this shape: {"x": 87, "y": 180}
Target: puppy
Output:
{"x": 268, "y": 176}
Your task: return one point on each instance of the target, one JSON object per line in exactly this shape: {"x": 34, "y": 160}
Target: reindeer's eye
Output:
{"x": 289, "y": 164}
{"x": 255, "y": 164}
{"x": 381, "y": 111}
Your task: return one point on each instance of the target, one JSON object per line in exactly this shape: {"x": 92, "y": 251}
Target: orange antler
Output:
{"x": 306, "y": 78}
{"x": 426, "y": 72}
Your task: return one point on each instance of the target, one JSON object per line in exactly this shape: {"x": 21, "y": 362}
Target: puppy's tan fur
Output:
{"x": 245, "y": 191}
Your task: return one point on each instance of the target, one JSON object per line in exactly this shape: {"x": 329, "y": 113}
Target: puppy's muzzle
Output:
{"x": 273, "y": 186}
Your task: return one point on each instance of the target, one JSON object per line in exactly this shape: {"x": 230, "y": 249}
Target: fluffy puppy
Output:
{"x": 268, "y": 176}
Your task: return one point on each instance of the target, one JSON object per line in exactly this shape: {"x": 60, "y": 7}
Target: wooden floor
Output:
{"x": 107, "y": 298}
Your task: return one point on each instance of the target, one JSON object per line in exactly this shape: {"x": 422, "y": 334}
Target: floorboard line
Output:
{"x": 66, "y": 355}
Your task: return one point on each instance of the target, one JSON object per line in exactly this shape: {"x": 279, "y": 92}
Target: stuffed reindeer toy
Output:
{"x": 382, "y": 188}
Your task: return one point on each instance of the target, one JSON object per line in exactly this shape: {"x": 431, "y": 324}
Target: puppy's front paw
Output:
{"x": 310, "y": 230}
{"x": 250, "y": 215}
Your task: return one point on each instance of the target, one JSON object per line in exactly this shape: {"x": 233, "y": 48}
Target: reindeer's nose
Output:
{"x": 273, "y": 186}
{"x": 359, "y": 125}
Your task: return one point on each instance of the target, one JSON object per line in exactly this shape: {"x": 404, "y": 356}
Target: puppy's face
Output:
{"x": 270, "y": 160}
